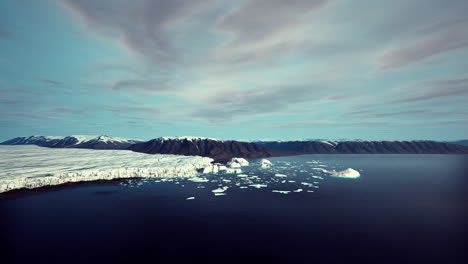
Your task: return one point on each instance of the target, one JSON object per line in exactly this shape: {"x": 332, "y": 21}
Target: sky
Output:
{"x": 246, "y": 69}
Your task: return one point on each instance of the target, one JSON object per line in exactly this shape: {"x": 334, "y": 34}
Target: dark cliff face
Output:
{"x": 217, "y": 149}
{"x": 365, "y": 147}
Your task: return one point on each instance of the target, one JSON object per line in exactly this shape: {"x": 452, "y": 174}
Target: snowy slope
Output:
{"x": 32, "y": 166}
{"x": 74, "y": 141}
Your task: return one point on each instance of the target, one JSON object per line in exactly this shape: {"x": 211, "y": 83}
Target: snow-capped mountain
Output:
{"x": 74, "y": 141}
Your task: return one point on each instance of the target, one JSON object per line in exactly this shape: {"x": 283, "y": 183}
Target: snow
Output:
{"x": 348, "y": 173}
{"x": 189, "y": 138}
{"x": 29, "y": 166}
{"x": 331, "y": 143}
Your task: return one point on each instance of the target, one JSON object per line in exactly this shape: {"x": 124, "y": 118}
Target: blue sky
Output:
{"x": 368, "y": 69}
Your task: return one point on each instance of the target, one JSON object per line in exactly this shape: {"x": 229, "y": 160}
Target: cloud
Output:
{"x": 52, "y": 82}
{"x": 436, "y": 89}
{"x": 422, "y": 30}
{"x": 147, "y": 86}
{"x": 140, "y": 25}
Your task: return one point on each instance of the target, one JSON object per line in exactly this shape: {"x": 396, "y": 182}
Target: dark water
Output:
{"x": 404, "y": 208}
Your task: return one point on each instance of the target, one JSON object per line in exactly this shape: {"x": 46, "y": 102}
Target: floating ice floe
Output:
{"x": 307, "y": 184}
{"x": 220, "y": 190}
{"x": 198, "y": 179}
{"x": 282, "y": 192}
{"x": 280, "y": 175}
{"x": 348, "y": 173}
{"x": 258, "y": 186}
{"x": 233, "y": 170}
{"x": 190, "y": 198}
{"x": 219, "y": 194}
{"x": 298, "y": 190}
{"x": 30, "y": 166}
{"x": 242, "y": 175}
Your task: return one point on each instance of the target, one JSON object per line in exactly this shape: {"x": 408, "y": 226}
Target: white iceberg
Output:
{"x": 264, "y": 163}
{"x": 240, "y": 161}
{"x": 234, "y": 164}
{"x": 348, "y": 173}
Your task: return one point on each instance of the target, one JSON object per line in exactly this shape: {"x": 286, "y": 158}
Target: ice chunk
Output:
{"x": 258, "y": 186}
{"x": 190, "y": 198}
{"x": 219, "y": 194}
{"x": 282, "y": 192}
{"x": 240, "y": 161}
{"x": 232, "y": 170}
{"x": 220, "y": 190}
{"x": 234, "y": 164}
{"x": 198, "y": 179}
{"x": 280, "y": 175}
{"x": 298, "y": 190}
{"x": 348, "y": 173}
{"x": 264, "y": 163}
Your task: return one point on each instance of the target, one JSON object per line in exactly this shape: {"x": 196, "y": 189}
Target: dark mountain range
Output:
{"x": 218, "y": 149}
{"x": 88, "y": 142}
{"x": 363, "y": 147}
{"x": 460, "y": 142}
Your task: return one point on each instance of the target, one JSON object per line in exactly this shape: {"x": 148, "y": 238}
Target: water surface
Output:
{"x": 404, "y": 208}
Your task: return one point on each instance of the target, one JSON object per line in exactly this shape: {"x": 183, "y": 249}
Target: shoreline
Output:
{"x": 27, "y": 191}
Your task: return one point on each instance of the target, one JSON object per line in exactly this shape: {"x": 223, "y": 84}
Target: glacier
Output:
{"x": 30, "y": 166}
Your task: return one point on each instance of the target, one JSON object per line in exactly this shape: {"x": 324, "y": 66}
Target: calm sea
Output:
{"x": 404, "y": 208}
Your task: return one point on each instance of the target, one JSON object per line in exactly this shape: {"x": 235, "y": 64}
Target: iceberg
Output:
{"x": 264, "y": 163}
{"x": 240, "y": 161}
{"x": 30, "y": 166}
{"x": 348, "y": 173}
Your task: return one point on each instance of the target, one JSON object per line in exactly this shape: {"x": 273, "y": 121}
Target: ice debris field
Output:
{"x": 32, "y": 167}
